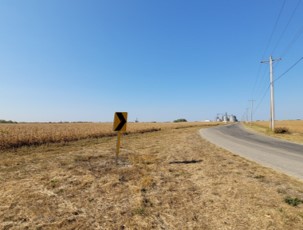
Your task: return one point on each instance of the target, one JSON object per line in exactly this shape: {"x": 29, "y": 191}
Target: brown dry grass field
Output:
{"x": 169, "y": 179}
{"x": 28, "y": 134}
{"x": 295, "y": 128}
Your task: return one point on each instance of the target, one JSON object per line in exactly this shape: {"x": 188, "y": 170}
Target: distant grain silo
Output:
{"x": 232, "y": 118}
{"x": 225, "y": 118}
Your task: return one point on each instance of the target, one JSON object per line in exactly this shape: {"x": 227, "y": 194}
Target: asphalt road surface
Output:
{"x": 281, "y": 155}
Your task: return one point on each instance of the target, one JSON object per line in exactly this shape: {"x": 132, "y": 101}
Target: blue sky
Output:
{"x": 159, "y": 60}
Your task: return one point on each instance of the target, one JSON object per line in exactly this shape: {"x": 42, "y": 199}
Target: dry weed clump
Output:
{"x": 18, "y": 135}
{"x": 281, "y": 130}
{"x": 289, "y": 130}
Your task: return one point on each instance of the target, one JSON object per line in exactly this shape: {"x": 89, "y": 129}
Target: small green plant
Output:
{"x": 53, "y": 183}
{"x": 293, "y": 201}
{"x": 140, "y": 211}
{"x": 281, "y": 130}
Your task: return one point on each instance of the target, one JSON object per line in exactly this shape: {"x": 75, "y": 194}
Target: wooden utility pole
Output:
{"x": 272, "y": 98}
{"x": 251, "y": 111}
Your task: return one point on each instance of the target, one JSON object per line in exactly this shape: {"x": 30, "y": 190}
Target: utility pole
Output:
{"x": 272, "y": 100}
{"x": 251, "y": 111}
{"x": 247, "y": 115}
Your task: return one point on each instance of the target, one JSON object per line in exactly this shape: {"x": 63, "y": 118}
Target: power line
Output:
{"x": 260, "y": 75}
{"x": 255, "y": 83}
{"x": 262, "y": 99}
{"x": 262, "y": 92}
{"x": 261, "y": 82}
{"x": 285, "y": 28}
{"x": 278, "y": 78}
{"x": 274, "y": 28}
{"x": 290, "y": 68}
{"x": 293, "y": 41}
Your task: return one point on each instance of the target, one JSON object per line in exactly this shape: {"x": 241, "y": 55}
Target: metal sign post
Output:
{"x": 118, "y": 146}
{"x": 120, "y": 121}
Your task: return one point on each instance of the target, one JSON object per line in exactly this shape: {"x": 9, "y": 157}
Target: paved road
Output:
{"x": 280, "y": 155}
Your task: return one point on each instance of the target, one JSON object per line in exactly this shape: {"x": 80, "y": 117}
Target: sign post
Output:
{"x": 120, "y": 121}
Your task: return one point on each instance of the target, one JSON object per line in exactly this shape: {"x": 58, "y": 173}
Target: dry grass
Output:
{"x": 295, "y": 129}
{"x": 171, "y": 179}
{"x": 18, "y": 135}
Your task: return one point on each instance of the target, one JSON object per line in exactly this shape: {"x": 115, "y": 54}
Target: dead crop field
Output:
{"x": 295, "y": 128}
{"x": 169, "y": 179}
{"x": 28, "y": 134}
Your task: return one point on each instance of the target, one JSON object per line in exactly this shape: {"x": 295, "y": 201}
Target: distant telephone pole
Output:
{"x": 251, "y": 111}
{"x": 272, "y": 100}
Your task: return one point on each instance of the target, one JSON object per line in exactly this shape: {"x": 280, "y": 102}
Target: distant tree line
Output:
{"x": 8, "y": 122}
{"x": 180, "y": 120}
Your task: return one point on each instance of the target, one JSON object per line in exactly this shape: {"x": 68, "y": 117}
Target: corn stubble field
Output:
{"x": 165, "y": 179}
{"x": 29, "y": 134}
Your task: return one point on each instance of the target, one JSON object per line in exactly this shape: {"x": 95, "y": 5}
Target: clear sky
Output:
{"x": 159, "y": 60}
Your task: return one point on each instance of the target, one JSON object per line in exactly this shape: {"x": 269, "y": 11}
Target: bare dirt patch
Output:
{"x": 170, "y": 179}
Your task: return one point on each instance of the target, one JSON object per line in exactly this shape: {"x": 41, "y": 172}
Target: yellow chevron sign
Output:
{"x": 120, "y": 121}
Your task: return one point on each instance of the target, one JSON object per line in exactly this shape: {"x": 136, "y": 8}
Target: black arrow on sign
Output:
{"x": 122, "y": 121}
